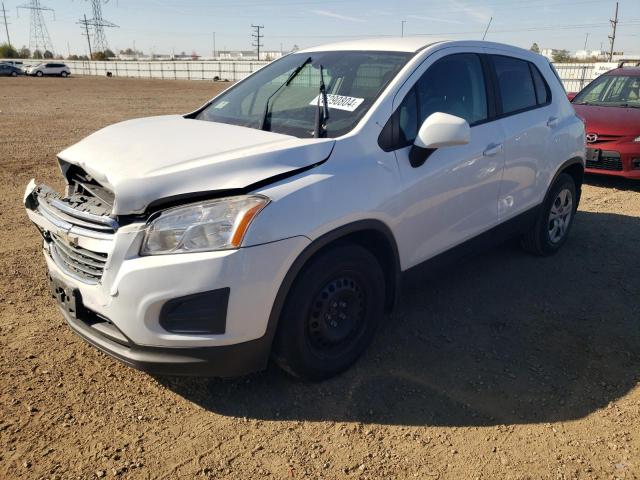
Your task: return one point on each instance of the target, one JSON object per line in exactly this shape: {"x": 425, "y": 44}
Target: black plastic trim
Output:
{"x": 221, "y": 361}
{"x": 203, "y": 313}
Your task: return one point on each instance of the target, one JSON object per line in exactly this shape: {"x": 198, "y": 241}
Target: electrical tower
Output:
{"x": 38, "y": 34}
{"x": 257, "y": 36}
{"x": 98, "y": 23}
{"x": 612, "y": 37}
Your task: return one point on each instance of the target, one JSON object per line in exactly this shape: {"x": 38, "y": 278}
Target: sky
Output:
{"x": 164, "y": 26}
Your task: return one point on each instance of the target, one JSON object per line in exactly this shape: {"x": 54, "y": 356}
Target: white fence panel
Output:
{"x": 574, "y": 76}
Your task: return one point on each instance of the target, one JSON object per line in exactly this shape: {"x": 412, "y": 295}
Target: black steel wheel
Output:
{"x": 331, "y": 313}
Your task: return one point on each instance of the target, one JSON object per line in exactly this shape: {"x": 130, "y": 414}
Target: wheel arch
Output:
{"x": 373, "y": 235}
{"x": 574, "y": 167}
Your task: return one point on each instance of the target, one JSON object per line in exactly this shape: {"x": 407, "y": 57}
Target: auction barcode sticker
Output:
{"x": 340, "y": 102}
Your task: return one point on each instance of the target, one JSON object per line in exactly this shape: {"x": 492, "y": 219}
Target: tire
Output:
{"x": 14, "y": 74}
{"x": 555, "y": 219}
{"x": 39, "y": 74}
{"x": 64, "y": 74}
{"x": 331, "y": 313}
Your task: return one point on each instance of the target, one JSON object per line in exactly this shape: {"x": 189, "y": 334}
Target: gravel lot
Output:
{"x": 505, "y": 366}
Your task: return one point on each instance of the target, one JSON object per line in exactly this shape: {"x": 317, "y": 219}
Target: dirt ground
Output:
{"x": 505, "y": 366}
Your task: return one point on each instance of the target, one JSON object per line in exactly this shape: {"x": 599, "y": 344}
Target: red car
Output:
{"x": 610, "y": 107}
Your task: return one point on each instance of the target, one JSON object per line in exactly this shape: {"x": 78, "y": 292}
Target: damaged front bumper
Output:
{"x": 114, "y": 298}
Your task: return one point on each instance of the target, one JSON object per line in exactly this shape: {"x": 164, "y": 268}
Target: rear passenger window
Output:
{"x": 515, "y": 84}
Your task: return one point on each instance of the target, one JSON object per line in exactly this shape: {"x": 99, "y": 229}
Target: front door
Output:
{"x": 453, "y": 196}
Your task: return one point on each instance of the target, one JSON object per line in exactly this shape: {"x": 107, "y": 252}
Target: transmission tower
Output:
{"x": 257, "y": 37}
{"x": 98, "y": 24}
{"x": 38, "y": 34}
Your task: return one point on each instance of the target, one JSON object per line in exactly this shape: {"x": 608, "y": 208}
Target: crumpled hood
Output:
{"x": 148, "y": 159}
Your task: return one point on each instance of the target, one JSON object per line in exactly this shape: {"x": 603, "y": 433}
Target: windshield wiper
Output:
{"x": 265, "y": 115}
{"x": 322, "y": 114}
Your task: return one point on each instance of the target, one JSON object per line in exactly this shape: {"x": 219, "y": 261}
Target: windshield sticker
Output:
{"x": 339, "y": 102}
{"x": 221, "y": 104}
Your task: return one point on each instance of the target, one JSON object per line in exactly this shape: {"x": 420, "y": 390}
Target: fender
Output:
{"x": 568, "y": 163}
{"x": 317, "y": 245}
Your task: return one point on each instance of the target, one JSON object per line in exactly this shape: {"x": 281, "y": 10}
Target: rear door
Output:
{"x": 453, "y": 195}
{"x": 528, "y": 118}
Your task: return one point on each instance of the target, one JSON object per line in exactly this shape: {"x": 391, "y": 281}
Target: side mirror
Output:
{"x": 571, "y": 95}
{"x": 438, "y": 130}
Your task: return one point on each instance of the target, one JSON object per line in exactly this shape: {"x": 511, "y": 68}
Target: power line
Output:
{"x": 38, "y": 34}
{"x": 257, "y": 37}
{"x": 6, "y": 25}
{"x": 612, "y": 37}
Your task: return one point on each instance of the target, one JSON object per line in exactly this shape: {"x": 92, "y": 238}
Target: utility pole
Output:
{"x": 585, "y": 41}
{"x": 85, "y": 23}
{"x": 257, "y": 37}
{"x": 487, "y": 29}
{"x": 402, "y": 22}
{"x": 612, "y": 37}
{"x": 214, "y": 45}
{"x": 6, "y": 28}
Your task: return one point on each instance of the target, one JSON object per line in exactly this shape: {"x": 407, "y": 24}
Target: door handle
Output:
{"x": 552, "y": 122}
{"x": 492, "y": 149}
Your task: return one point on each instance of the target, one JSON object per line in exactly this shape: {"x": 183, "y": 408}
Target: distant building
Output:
{"x": 590, "y": 54}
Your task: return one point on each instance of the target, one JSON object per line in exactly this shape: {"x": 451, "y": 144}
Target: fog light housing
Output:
{"x": 635, "y": 163}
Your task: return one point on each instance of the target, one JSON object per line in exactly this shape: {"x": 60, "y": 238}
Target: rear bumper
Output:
{"x": 221, "y": 361}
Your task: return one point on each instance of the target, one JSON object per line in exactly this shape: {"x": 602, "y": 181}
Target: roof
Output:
{"x": 625, "y": 72}
{"x": 391, "y": 44}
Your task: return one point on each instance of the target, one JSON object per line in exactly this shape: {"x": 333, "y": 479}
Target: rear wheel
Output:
{"x": 555, "y": 218}
{"x": 331, "y": 313}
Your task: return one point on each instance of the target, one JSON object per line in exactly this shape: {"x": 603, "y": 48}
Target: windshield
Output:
{"x": 353, "y": 80}
{"x": 611, "y": 90}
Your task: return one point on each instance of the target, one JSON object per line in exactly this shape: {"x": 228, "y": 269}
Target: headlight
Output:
{"x": 211, "y": 225}
{"x": 637, "y": 139}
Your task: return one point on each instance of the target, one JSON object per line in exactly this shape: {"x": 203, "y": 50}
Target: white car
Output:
{"x": 279, "y": 217}
{"x": 51, "y": 68}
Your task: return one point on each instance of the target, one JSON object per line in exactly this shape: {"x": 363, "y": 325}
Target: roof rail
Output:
{"x": 621, "y": 63}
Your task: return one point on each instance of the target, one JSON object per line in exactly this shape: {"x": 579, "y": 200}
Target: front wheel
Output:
{"x": 554, "y": 221}
{"x": 39, "y": 74}
{"x": 64, "y": 74}
{"x": 331, "y": 313}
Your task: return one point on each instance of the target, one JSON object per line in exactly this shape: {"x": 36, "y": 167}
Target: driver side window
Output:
{"x": 454, "y": 85}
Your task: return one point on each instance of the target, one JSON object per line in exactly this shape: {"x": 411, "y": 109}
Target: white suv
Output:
{"x": 279, "y": 217}
{"x": 42, "y": 69}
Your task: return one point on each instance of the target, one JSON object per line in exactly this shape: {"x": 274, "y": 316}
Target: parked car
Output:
{"x": 610, "y": 107}
{"x": 42, "y": 69}
{"x": 280, "y": 217}
{"x": 7, "y": 70}
{"x": 14, "y": 63}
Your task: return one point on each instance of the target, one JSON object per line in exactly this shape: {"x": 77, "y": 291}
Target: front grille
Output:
{"x": 79, "y": 262}
{"x": 602, "y": 138}
{"x": 606, "y": 161}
